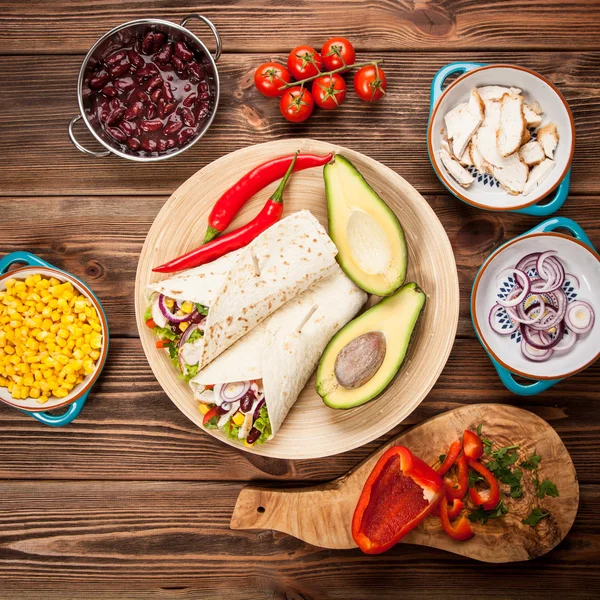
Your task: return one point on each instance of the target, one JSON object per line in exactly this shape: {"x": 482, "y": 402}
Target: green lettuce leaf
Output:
{"x": 148, "y": 314}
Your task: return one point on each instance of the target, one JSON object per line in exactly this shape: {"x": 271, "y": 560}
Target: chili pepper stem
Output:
{"x": 211, "y": 233}
{"x": 277, "y": 196}
{"x": 344, "y": 68}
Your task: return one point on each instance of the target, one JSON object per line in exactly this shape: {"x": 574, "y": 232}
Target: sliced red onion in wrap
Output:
{"x": 243, "y": 288}
{"x": 280, "y": 354}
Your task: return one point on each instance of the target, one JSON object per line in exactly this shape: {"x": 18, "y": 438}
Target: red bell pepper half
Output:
{"x": 458, "y": 491}
{"x": 453, "y": 452}
{"x": 492, "y": 497}
{"x": 460, "y": 530}
{"x": 398, "y": 494}
{"x": 472, "y": 444}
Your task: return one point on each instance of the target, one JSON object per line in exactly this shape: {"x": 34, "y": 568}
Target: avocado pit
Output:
{"x": 360, "y": 359}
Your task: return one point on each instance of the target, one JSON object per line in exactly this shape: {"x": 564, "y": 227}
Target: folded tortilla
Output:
{"x": 280, "y": 354}
{"x": 243, "y": 288}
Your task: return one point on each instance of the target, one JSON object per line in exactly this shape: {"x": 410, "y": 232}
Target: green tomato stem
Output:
{"x": 344, "y": 67}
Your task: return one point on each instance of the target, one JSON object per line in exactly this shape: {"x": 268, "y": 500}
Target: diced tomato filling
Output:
{"x": 395, "y": 501}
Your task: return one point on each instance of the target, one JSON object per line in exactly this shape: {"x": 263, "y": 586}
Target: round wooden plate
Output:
{"x": 312, "y": 430}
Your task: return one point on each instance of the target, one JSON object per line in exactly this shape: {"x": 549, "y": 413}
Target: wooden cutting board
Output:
{"x": 321, "y": 515}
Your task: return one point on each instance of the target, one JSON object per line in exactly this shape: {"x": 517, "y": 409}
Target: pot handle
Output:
{"x": 79, "y": 146}
{"x": 548, "y": 208}
{"x": 563, "y": 223}
{"x": 212, "y": 28}
{"x": 69, "y": 416}
{"x": 443, "y": 74}
{"x": 529, "y": 389}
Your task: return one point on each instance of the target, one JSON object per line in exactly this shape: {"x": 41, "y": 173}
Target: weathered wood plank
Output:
{"x": 39, "y": 159}
{"x": 99, "y": 238}
{"x": 129, "y": 429}
{"x": 147, "y": 540}
{"x": 255, "y": 25}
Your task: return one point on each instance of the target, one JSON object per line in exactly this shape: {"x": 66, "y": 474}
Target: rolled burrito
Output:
{"x": 199, "y": 313}
{"x": 248, "y": 391}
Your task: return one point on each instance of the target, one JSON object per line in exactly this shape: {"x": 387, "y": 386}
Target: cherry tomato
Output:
{"x": 304, "y": 61}
{"x": 337, "y": 52}
{"x": 296, "y": 104}
{"x": 269, "y": 77}
{"x": 329, "y": 91}
{"x": 370, "y": 83}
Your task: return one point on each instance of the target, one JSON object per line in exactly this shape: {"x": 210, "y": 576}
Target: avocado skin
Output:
{"x": 382, "y": 379}
{"x": 358, "y": 276}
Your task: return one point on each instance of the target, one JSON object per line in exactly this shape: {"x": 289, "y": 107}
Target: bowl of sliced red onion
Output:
{"x": 534, "y": 305}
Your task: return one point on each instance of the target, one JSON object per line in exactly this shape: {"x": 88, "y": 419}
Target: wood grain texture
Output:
{"x": 322, "y": 515}
{"x": 99, "y": 239}
{"x": 172, "y": 540}
{"x": 130, "y": 430}
{"x": 258, "y": 26}
{"x": 39, "y": 158}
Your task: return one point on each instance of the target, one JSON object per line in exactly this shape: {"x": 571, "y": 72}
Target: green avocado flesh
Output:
{"x": 395, "y": 317}
{"x": 368, "y": 235}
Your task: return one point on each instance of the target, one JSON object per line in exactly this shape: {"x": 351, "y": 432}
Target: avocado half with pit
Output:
{"x": 367, "y": 233}
{"x": 364, "y": 356}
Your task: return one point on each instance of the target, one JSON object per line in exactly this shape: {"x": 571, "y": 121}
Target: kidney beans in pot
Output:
{"x": 145, "y": 95}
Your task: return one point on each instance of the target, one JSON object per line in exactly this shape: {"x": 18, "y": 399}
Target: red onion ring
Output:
{"x": 569, "y": 318}
{"x": 530, "y": 352}
{"x": 496, "y": 326}
{"x": 571, "y": 339}
{"x": 171, "y": 316}
{"x": 232, "y": 397}
{"x": 512, "y": 300}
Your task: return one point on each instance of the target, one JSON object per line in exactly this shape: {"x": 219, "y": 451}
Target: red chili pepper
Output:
{"x": 493, "y": 494}
{"x": 453, "y": 452}
{"x": 462, "y": 486}
{"x": 229, "y": 204}
{"x": 271, "y": 213}
{"x": 453, "y": 509}
{"x": 209, "y": 415}
{"x": 460, "y": 530}
{"x": 398, "y": 494}
{"x": 472, "y": 444}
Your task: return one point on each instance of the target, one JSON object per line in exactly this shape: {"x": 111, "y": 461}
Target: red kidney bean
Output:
{"x": 141, "y": 96}
{"x": 246, "y": 401}
{"x": 110, "y": 91}
{"x": 172, "y": 127}
{"x": 204, "y": 96}
{"x": 184, "y": 135}
{"x": 183, "y": 52}
{"x": 114, "y": 104}
{"x": 169, "y": 108}
{"x": 203, "y": 87}
{"x": 167, "y": 92}
{"x": 148, "y": 71}
{"x": 115, "y": 116}
{"x": 104, "y": 115}
{"x": 156, "y": 94}
{"x": 187, "y": 117}
{"x": 187, "y": 87}
{"x": 124, "y": 85}
{"x": 116, "y": 134}
{"x": 153, "y": 125}
{"x": 171, "y": 144}
{"x": 203, "y": 110}
{"x": 195, "y": 71}
{"x": 99, "y": 81}
{"x": 148, "y": 145}
{"x": 178, "y": 64}
{"x": 133, "y": 144}
{"x": 253, "y": 435}
{"x": 160, "y": 105}
{"x": 159, "y": 40}
{"x": 134, "y": 111}
{"x": 135, "y": 59}
{"x": 150, "y": 111}
{"x": 154, "y": 83}
{"x": 119, "y": 70}
{"x": 148, "y": 43}
{"x": 115, "y": 58}
{"x": 191, "y": 99}
{"x": 161, "y": 145}
{"x": 165, "y": 53}
{"x": 128, "y": 128}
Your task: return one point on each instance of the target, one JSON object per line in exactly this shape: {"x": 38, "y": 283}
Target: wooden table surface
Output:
{"x": 132, "y": 500}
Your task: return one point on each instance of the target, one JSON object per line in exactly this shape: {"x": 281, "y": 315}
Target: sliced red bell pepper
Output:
{"x": 453, "y": 452}
{"x": 209, "y": 415}
{"x": 150, "y": 323}
{"x": 453, "y": 509}
{"x": 458, "y": 490}
{"x": 492, "y": 497}
{"x": 472, "y": 444}
{"x": 460, "y": 530}
{"x": 162, "y": 343}
{"x": 398, "y": 494}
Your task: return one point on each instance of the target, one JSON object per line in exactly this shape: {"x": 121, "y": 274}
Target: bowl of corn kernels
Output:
{"x": 53, "y": 339}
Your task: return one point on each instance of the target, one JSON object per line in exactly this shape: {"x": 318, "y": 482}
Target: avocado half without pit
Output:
{"x": 364, "y": 356}
{"x": 370, "y": 240}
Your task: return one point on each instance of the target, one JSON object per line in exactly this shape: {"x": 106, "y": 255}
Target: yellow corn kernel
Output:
{"x": 95, "y": 354}
{"x": 182, "y": 326}
{"x": 204, "y": 408}
{"x": 187, "y": 307}
{"x": 43, "y": 399}
{"x": 28, "y": 380}
{"x": 16, "y": 392}
{"x": 238, "y": 418}
{"x": 24, "y": 393}
{"x": 88, "y": 366}
{"x": 32, "y": 344}
{"x": 247, "y": 444}
{"x": 34, "y": 393}
{"x": 61, "y": 392}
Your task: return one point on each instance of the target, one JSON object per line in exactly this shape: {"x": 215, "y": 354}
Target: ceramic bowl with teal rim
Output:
{"x": 76, "y": 399}
{"x": 582, "y": 282}
{"x": 485, "y": 192}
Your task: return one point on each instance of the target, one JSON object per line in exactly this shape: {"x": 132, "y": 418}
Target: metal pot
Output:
{"x": 115, "y": 39}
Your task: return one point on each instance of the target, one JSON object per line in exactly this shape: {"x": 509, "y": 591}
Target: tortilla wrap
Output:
{"x": 290, "y": 255}
{"x": 283, "y": 357}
